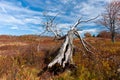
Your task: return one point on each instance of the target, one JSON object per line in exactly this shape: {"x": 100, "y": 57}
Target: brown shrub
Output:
{"x": 87, "y": 34}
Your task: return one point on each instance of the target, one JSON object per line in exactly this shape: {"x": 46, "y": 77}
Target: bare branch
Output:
{"x": 80, "y": 21}
{"x": 111, "y": 18}
{"x": 83, "y": 42}
{"x": 77, "y": 23}
{"x": 51, "y": 26}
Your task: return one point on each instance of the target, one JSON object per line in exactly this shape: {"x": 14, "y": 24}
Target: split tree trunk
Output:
{"x": 66, "y": 51}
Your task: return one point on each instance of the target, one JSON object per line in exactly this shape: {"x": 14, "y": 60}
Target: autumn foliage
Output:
{"x": 106, "y": 34}
{"x": 23, "y": 57}
{"x": 87, "y": 34}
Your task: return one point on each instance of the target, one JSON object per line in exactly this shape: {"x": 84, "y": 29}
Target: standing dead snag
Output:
{"x": 65, "y": 53}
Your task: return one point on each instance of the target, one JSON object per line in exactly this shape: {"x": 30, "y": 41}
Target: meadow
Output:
{"x": 24, "y": 57}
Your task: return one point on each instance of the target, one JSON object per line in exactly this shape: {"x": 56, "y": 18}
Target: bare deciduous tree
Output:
{"x": 111, "y": 18}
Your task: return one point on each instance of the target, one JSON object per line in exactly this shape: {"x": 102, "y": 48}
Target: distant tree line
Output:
{"x": 102, "y": 34}
{"x": 106, "y": 34}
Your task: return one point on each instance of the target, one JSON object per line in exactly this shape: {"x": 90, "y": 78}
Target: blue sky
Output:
{"x": 19, "y": 17}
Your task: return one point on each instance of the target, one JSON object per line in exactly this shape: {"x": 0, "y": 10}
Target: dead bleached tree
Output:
{"x": 66, "y": 50}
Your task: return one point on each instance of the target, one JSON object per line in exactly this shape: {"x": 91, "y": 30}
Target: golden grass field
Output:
{"x": 23, "y": 57}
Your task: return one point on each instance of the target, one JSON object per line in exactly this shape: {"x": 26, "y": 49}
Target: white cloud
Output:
{"x": 3, "y": 9}
{"x": 14, "y": 7}
{"x": 33, "y": 20}
{"x": 52, "y": 13}
{"x": 93, "y": 31}
{"x": 15, "y": 15}
{"x": 64, "y": 25}
{"x": 15, "y": 28}
{"x": 65, "y": 1}
{"x": 88, "y": 24}
{"x": 91, "y": 7}
{"x": 12, "y": 13}
{"x": 101, "y": 0}
{"x": 8, "y": 19}
{"x": 90, "y": 10}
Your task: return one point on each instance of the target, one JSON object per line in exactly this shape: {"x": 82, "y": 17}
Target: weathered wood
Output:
{"x": 66, "y": 51}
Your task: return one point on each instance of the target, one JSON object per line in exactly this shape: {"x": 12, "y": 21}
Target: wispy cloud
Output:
{"x": 28, "y": 14}
{"x": 15, "y": 15}
{"x": 15, "y": 28}
{"x": 65, "y": 1}
{"x": 89, "y": 30}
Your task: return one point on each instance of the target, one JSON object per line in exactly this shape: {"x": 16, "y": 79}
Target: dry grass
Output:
{"x": 23, "y": 57}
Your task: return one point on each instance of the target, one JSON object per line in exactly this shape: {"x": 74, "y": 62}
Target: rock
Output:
{"x": 118, "y": 70}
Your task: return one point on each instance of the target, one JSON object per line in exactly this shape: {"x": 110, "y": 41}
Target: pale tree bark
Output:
{"x": 66, "y": 51}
